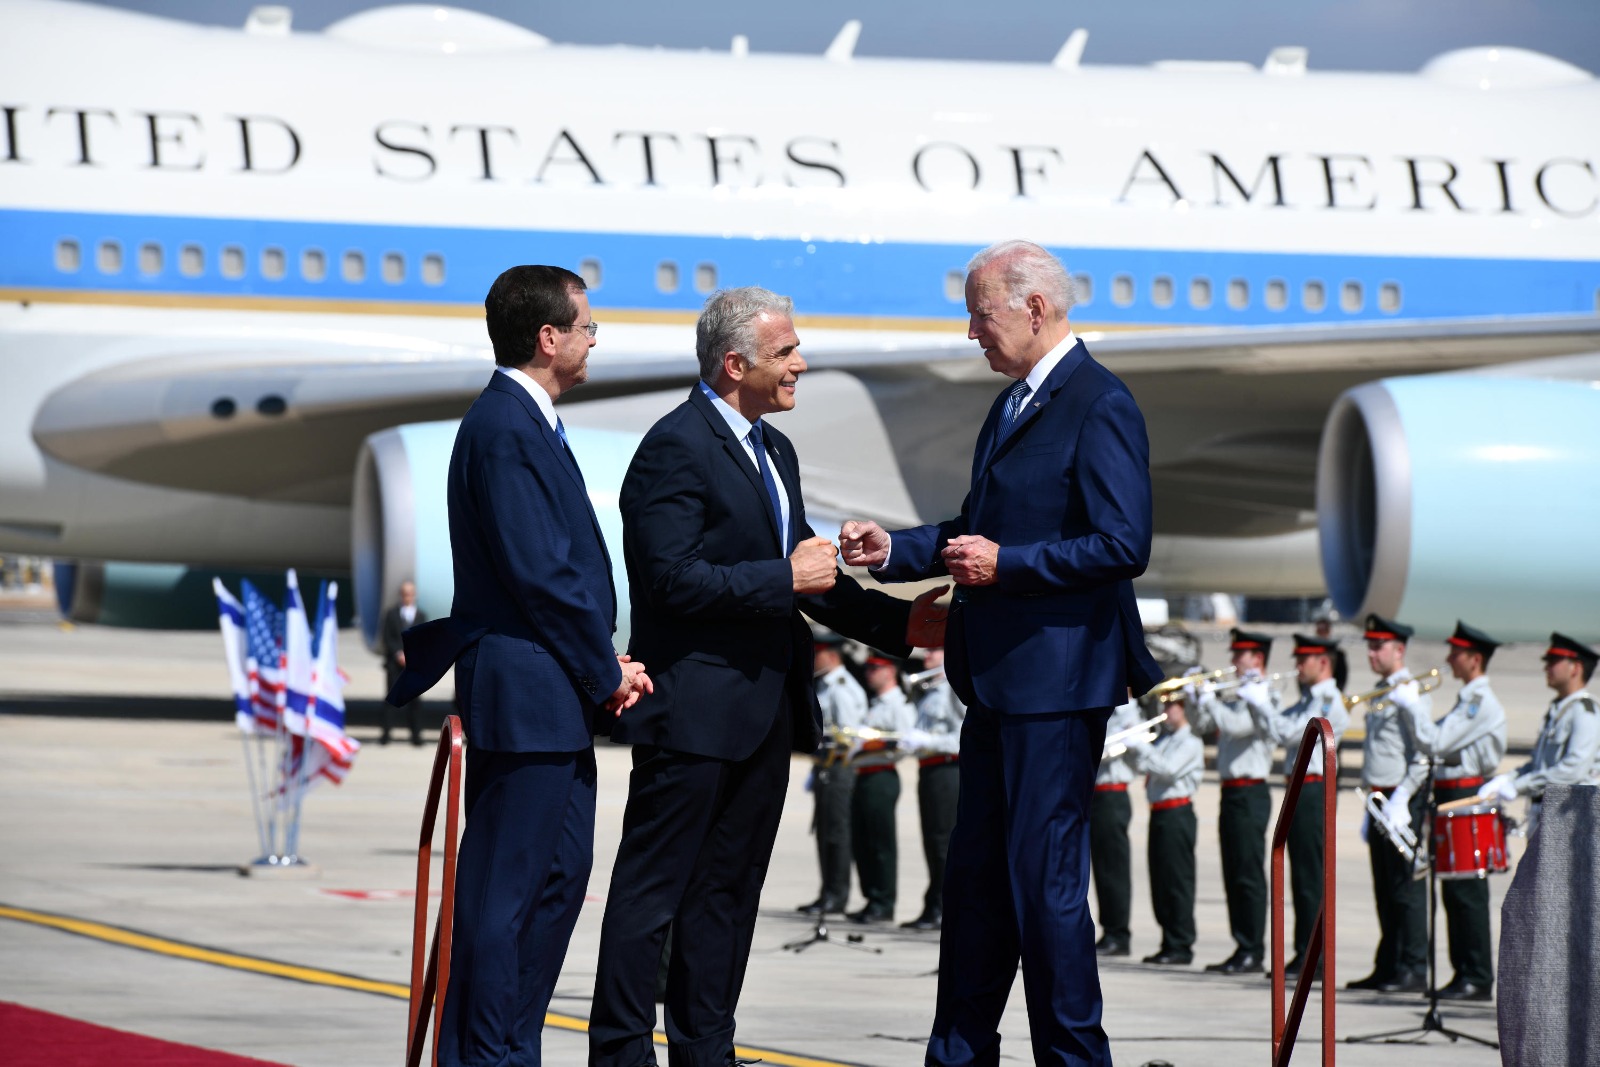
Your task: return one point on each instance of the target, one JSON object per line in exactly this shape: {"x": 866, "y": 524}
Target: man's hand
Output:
{"x": 1397, "y": 810}
{"x": 972, "y": 560}
{"x": 813, "y": 565}
{"x": 635, "y": 683}
{"x": 1500, "y": 787}
{"x": 1257, "y": 696}
{"x": 1405, "y": 697}
{"x": 400, "y": 660}
{"x": 863, "y": 544}
{"x": 925, "y": 627}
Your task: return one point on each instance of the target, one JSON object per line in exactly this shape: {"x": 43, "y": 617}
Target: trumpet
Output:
{"x": 1426, "y": 683}
{"x": 1172, "y": 688}
{"x": 1403, "y": 837}
{"x": 927, "y": 677}
{"x": 1226, "y": 683}
{"x": 1117, "y": 743}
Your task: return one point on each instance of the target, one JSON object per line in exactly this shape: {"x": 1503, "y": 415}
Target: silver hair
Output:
{"x": 1025, "y": 269}
{"x": 728, "y": 324}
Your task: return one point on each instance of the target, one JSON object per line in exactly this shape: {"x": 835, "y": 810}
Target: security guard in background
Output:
{"x": 1569, "y": 741}
{"x": 1466, "y": 747}
{"x": 1110, "y": 812}
{"x": 877, "y": 791}
{"x": 1244, "y": 758}
{"x": 1319, "y": 698}
{"x": 936, "y": 739}
{"x": 1391, "y": 765}
{"x": 844, "y": 706}
{"x": 1172, "y": 766}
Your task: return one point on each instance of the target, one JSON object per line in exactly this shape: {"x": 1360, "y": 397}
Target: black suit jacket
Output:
{"x": 390, "y": 638}
{"x": 715, "y": 617}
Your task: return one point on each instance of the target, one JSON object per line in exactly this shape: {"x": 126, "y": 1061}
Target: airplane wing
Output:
{"x": 1235, "y": 415}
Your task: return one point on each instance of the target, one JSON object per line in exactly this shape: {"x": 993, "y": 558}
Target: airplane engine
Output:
{"x": 399, "y": 527}
{"x": 1465, "y": 496}
{"x": 159, "y": 596}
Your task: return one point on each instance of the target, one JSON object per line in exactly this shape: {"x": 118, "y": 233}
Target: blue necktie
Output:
{"x": 1016, "y": 396}
{"x": 561, "y": 432}
{"x": 772, "y": 485}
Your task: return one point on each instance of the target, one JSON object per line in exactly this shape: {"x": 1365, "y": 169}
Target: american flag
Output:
{"x": 264, "y": 626}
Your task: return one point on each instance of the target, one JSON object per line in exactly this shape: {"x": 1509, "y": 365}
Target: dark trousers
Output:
{"x": 1402, "y": 903}
{"x": 1242, "y": 830}
{"x": 938, "y": 790}
{"x": 872, "y": 836}
{"x": 1171, "y": 856}
{"x": 697, "y": 836}
{"x": 1110, "y": 858}
{"x": 1466, "y": 908}
{"x": 413, "y": 710}
{"x": 521, "y": 874}
{"x": 1017, "y": 886}
{"x": 1305, "y": 862}
{"x": 831, "y": 789}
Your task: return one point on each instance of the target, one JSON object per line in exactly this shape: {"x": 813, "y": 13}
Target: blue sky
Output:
{"x": 1341, "y": 34}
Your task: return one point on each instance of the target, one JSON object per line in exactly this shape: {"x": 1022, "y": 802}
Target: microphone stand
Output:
{"x": 1432, "y": 1020}
{"x": 821, "y": 934}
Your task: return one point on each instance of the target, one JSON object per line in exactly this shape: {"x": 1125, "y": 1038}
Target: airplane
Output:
{"x": 242, "y": 269}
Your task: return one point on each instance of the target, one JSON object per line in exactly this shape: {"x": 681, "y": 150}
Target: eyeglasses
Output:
{"x": 591, "y": 329}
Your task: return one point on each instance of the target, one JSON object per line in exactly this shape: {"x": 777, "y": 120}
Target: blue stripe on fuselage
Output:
{"x": 888, "y": 279}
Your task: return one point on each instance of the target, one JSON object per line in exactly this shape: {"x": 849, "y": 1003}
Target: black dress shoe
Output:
{"x": 1238, "y": 963}
{"x": 1110, "y": 946}
{"x": 821, "y": 906}
{"x": 1168, "y": 958}
{"x": 928, "y": 920}
{"x": 1404, "y": 982}
{"x": 1459, "y": 990}
{"x": 1371, "y": 982}
{"x": 869, "y": 914}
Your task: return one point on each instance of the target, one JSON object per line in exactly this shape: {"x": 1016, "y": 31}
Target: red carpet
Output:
{"x": 39, "y": 1039}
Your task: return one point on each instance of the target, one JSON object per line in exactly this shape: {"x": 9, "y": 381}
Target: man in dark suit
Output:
{"x": 396, "y": 621}
{"x": 721, "y": 563}
{"x": 530, "y": 636}
{"x": 1044, "y": 640}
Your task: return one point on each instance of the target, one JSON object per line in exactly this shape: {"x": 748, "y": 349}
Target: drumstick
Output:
{"x": 1464, "y": 802}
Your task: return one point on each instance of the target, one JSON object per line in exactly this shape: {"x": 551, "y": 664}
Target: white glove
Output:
{"x": 1257, "y": 695}
{"x": 1366, "y": 823}
{"x": 1500, "y": 787}
{"x": 1191, "y": 696}
{"x": 1192, "y": 671}
{"x": 914, "y": 740}
{"x": 1397, "y": 810}
{"x": 1405, "y": 697}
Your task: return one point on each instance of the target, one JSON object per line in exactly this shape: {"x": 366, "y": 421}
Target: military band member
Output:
{"x": 1319, "y": 698}
{"x": 937, "y": 740}
{"x": 1466, "y": 747}
{"x": 1244, "y": 758}
{"x": 1110, "y": 812}
{"x": 877, "y": 791}
{"x": 844, "y": 706}
{"x": 1172, "y": 766}
{"x": 1390, "y": 765}
{"x": 1569, "y": 741}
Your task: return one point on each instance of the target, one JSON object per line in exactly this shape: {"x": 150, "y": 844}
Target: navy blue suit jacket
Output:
{"x": 1066, "y": 496}
{"x": 534, "y": 606}
{"x": 715, "y": 616}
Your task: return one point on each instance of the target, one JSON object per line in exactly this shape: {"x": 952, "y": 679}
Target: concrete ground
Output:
{"x": 123, "y": 802}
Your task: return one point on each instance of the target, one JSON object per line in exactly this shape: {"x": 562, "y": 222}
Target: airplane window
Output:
{"x": 1122, "y": 290}
{"x": 705, "y": 277}
{"x": 394, "y": 268}
{"x": 1200, "y": 292}
{"x": 1277, "y": 295}
{"x": 433, "y": 269}
{"x": 1350, "y": 297}
{"x": 1389, "y": 297}
{"x": 1238, "y": 293}
{"x": 1083, "y": 288}
{"x": 1161, "y": 291}
{"x": 667, "y": 276}
{"x": 233, "y": 262}
{"x": 955, "y": 286}
{"x": 109, "y": 257}
{"x": 192, "y": 261}
{"x": 150, "y": 258}
{"x": 589, "y": 270}
{"x": 313, "y": 265}
{"x": 274, "y": 264}
{"x": 1313, "y": 296}
{"x": 69, "y": 257}
{"x": 353, "y": 267}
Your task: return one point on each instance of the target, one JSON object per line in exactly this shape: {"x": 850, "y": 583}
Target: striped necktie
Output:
{"x": 1016, "y": 396}
{"x": 758, "y": 445}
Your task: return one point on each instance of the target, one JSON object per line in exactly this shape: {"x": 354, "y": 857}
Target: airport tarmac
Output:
{"x": 125, "y": 817}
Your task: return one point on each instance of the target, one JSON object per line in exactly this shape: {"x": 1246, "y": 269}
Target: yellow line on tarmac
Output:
{"x": 163, "y": 946}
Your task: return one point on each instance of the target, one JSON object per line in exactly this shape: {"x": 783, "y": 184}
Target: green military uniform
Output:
{"x": 1172, "y": 766}
{"x": 872, "y": 829}
{"x": 844, "y": 706}
{"x": 1110, "y": 812}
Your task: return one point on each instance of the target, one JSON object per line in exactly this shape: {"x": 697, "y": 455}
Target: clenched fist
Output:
{"x": 863, "y": 544}
{"x": 813, "y": 565}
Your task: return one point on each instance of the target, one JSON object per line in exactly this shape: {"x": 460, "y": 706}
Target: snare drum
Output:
{"x": 1470, "y": 842}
